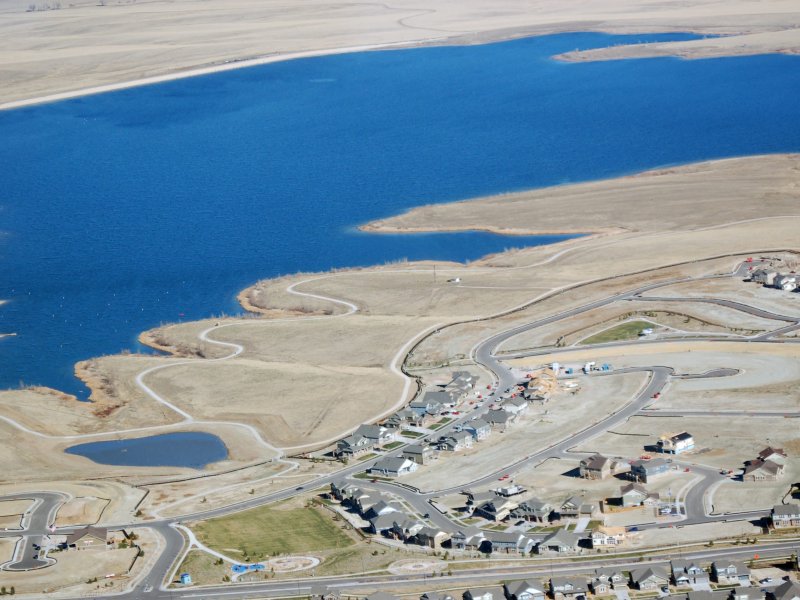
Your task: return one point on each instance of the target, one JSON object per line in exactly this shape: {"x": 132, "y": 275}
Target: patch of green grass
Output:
{"x": 367, "y": 456}
{"x": 393, "y": 445}
{"x": 411, "y": 434}
{"x": 624, "y": 331}
{"x": 441, "y": 423}
{"x": 268, "y": 530}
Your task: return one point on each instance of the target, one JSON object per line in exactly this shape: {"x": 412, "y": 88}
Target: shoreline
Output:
{"x": 455, "y": 39}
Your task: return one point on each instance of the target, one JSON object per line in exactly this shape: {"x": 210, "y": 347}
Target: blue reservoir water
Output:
{"x": 155, "y": 204}
{"x": 193, "y": 449}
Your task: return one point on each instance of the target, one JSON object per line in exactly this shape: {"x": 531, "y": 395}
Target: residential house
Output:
{"x": 596, "y": 466}
{"x": 499, "y": 418}
{"x": 786, "y": 282}
{"x": 730, "y": 572}
{"x": 490, "y": 593}
{"x": 646, "y": 470}
{"x": 776, "y": 455}
{"x": 393, "y": 466}
{"x": 426, "y": 408}
{"x": 533, "y": 510}
{"x": 405, "y": 527}
{"x": 604, "y": 580}
{"x": 475, "y": 498}
{"x": 445, "y": 398}
{"x": 635, "y": 494}
{"x": 568, "y": 588}
{"x": 470, "y": 538}
{"x": 686, "y": 573}
{"x": 675, "y": 443}
{"x": 523, "y": 590}
{"x": 340, "y": 489}
{"x": 762, "y": 470}
{"x": 788, "y": 590}
{"x": 575, "y": 507}
{"x": 496, "y": 509}
{"x": 353, "y": 445}
{"x": 455, "y": 442}
{"x": 403, "y": 417}
{"x": 571, "y": 507}
{"x": 649, "y": 578}
{"x": 502, "y": 541}
{"x": 323, "y": 592}
{"x": 383, "y": 507}
{"x": 560, "y": 542}
{"x": 384, "y": 523}
{"x": 382, "y": 596}
{"x": 785, "y": 516}
{"x": 430, "y": 537}
{"x": 515, "y": 406}
{"x": 479, "y": 429}
{"x": 764, "y": 276}
{"x": 418, "y": 453}
{"x": 608, "y": 536}
{"x": 436, "y": 596}
{"x": 89, "y": 537}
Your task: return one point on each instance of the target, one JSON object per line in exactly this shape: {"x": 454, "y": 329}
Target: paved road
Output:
{"x": 34, "y": 529}
{"x": 462, "y": 578}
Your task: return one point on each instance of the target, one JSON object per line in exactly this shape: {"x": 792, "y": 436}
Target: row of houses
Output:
{"x": 386, "y": 517}
{"x": 578, "y": 588}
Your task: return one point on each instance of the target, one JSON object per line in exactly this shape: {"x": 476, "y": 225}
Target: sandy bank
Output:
{"x": 677, "y": 198}
{"x": 769, "y": 42}
{"x": 88, "y": 48}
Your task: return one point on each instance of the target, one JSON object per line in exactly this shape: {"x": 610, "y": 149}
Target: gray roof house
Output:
{"x": 503, "y": 541}
{"x": 596, "y": 466}
{"x": 788, "y": 590}
{"x": 353, "y": 445}
{"x": 479, "y": 429}
{"x": 382, "y": 507}
{"x": 568, "y": 587}
{"x": 516, "y": 406}
{"x": 533, "y": 510}
{"x": 785, "y": 516}
{"x": 431, "y": 537}
{"x": 419, "y": 453}
{"x": 561, "y": 542}
{"x": 499, "y": 418}
{"x": 405, "y": 527}
{"x": 649, "y": 578}
{"x": 686, "y": 572}
{"x": 730, "y": 572}
{"x": 471, "y": 537}
{"x": 487, "y": 593}
{"x": 393, "y": 466}
{"x": 460, "y": 440}
{"x": 635, "y": 494}
{"x": 382, "y": 523}
{"x": 646, "y": 470}
{"x": 496, "y": 509}
{"x": 436, "y": 596}
{"x": 375, "y": 433}
{"x": 523, "y": 590}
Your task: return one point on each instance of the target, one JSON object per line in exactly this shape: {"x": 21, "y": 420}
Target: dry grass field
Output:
{"x": 85, "y": 44}
{"x": 81, "y": 511}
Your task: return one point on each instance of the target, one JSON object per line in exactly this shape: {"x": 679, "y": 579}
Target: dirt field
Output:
{"x": 717, "y": 445}
{"x": 71, "y": 572}
{"x": 81, "y": 511}
{"x": 86, "y": 44}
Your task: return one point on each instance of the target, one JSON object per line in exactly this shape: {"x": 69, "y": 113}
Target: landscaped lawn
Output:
{"x": 411, "y": 434}
{"x": 268, "y": 530}
{"x": 623, "y": 331}
{"x": 393, "y": 445}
